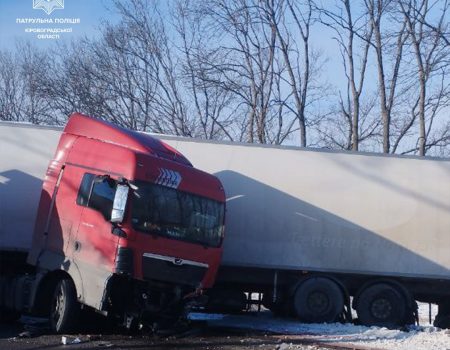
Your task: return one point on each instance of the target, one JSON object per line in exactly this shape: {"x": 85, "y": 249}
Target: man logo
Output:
{"x": 178, "y": 261}
{"x": 48, "y": 6}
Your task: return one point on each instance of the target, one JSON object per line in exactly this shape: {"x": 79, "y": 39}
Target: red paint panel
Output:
{"x": 89, "y": 127}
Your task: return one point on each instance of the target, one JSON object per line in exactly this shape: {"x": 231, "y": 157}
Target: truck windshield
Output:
{"x": 178, "y": 215}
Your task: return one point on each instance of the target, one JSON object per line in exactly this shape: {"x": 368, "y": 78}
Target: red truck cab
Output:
{"x": 125, "y": 225}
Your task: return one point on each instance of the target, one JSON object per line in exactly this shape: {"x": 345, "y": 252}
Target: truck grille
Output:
{"x": 170, "y": 269}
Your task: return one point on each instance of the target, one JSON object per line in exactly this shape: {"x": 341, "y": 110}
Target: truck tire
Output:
{"x": 65, "y": 309}
{"x": 382, "y": 305}
{"x": 318, "y": 300}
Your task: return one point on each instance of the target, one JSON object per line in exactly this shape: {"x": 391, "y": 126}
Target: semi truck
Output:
{"x": 118, "y": 222}
{"x": 318, "y": 232}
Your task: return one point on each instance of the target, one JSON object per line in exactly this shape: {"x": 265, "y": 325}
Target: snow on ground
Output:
{"x": 425, "y": 337}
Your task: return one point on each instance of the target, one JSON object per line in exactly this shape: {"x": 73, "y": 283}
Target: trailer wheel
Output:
{"x": 318, "y": 300}
{"x": 65, "y": 310}
{"x": 381, "y": 305}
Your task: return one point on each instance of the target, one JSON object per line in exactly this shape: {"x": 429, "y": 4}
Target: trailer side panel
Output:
{"x": 330, "y": 211}
{"x": 24, "y": 155}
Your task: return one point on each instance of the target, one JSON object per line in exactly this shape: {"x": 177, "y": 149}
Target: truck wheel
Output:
{"x": 65, "y": 310}
{"x": 381, "y": 305}
{"x": 318, "y": 300}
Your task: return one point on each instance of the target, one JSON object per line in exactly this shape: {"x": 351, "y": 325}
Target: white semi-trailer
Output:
{"x": 310, "y": 228}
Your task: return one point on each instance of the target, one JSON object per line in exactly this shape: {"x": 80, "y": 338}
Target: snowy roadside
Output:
{"x": 425, "y": 337}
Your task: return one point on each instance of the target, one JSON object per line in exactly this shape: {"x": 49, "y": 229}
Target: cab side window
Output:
{"x": 85, "y": 189}
{"x": 97, "y": 192}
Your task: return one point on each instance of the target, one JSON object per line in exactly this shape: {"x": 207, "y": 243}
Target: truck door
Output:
{"x": 63, "y": 216}
{"x": 95, "y": 246}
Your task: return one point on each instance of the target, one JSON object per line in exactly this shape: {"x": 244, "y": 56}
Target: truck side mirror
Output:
{"x": 119, "y": 204}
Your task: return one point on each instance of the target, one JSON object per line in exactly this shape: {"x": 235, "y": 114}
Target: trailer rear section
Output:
{"x": 315, "y": 229}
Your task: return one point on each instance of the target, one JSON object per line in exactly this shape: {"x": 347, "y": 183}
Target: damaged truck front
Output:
{"x": 125, "y": 225}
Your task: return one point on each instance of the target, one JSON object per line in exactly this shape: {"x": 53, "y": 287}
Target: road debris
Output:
{"x": 67, "y": 341}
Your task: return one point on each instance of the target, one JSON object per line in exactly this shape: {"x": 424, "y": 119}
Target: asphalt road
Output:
{"x": 198, "y": 337}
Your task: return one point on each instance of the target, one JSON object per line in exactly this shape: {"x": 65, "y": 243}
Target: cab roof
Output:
{"x": 90, "y": 127}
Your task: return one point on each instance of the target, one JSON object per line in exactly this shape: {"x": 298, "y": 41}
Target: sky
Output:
{"x": 89, "y": 12}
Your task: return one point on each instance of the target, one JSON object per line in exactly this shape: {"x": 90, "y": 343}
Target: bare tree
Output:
{"x": 21, "y": 75}
{"x": 11, "y": 89}
{"x": 335, "y": 129}
{"x": 431, "y": 54}
{"x": 281, "y": 123}
{"x": 350, "y": 30}
{"x": 210, "y": 102}
{"x": 276, "y": 12}
{"x": 148, "y": 41}
{"x": 247, "y": 41}
{"x": 388, "y": 44}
